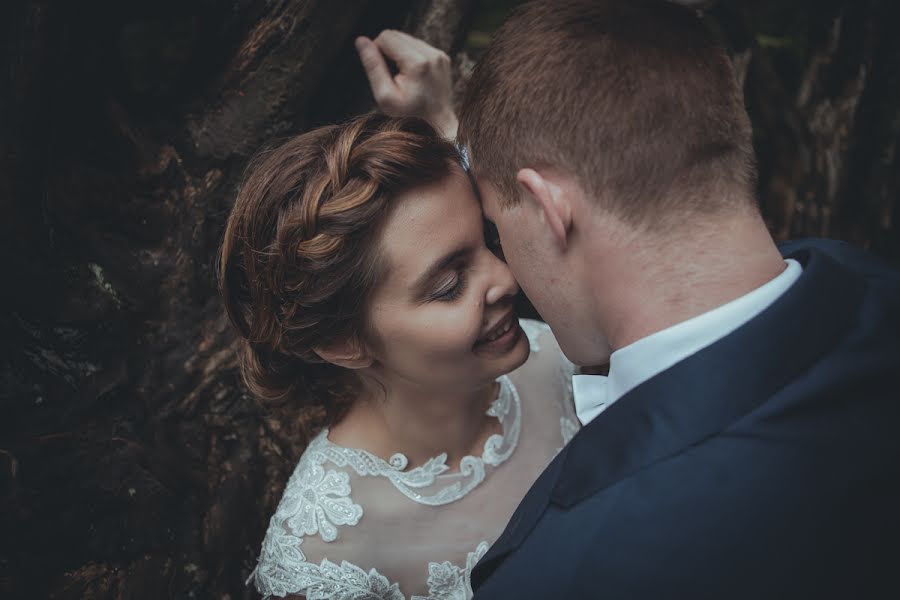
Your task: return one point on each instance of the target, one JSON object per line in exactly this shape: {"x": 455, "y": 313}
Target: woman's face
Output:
{"x": 443, "y": 316}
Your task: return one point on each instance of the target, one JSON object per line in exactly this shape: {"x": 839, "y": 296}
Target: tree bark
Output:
{"x": 822, "y": 86}
{"x": 132, "y": 462}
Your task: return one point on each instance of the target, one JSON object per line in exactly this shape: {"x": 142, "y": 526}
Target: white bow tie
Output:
{"x": 590, "y": 394}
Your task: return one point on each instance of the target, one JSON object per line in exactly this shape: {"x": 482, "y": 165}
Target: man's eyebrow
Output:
{"x": 437, "y": 267}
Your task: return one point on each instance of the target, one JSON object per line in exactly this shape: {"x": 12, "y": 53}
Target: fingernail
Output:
{"x": 360, "y": 43}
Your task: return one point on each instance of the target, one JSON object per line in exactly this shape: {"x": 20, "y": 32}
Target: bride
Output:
{"x": 355, "y": 267}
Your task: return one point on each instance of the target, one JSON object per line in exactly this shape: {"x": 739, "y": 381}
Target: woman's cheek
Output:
{"x": 470, "y": 328}
{"x": 455, "y": 330}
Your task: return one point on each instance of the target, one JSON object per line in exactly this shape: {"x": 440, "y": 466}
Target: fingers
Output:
{"x": 423, "y": 86}
{"x": 424, "y": 47}
{"x": 407, "y": 51}
{"x": 383, "y": 86}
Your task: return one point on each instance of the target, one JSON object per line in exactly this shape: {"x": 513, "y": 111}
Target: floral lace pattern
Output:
{"x": 325, "y": 581}
{"x": 283, "y": 570}
{"x": 317, "y": 503}
{"x": 446, "y": 581}
{"x": 316, "y": 500}
{"x": 533, "y": 330}
{"x": 497, "y": 448}
{"x": 347, "y": 581}
{"x": 280, "y": 557}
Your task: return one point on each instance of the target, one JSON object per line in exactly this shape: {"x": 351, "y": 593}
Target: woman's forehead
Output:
{"x": 426, "y": 224}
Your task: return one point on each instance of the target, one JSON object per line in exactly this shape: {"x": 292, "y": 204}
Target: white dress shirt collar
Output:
{"x": 636, "y": 363}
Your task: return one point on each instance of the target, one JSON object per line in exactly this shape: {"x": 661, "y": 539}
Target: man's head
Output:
{"x": 597, "y": 117}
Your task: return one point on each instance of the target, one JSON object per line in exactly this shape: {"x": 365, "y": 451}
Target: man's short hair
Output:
{"x": 637, "y": 98}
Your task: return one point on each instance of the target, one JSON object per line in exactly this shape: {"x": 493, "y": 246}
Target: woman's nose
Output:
{"x": 503, "y": 284}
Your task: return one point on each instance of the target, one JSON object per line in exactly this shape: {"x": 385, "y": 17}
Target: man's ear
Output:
{"x": 350, "y": 354}
{"x": 550, "y": 198}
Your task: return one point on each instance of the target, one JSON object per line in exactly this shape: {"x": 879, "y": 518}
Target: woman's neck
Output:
{"x": 418, "y": 422}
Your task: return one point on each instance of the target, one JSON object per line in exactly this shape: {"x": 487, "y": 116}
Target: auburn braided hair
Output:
{"x": 300, "y": 258}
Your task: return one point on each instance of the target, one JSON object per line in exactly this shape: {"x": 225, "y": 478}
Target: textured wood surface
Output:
{"x": 132, "y": 464}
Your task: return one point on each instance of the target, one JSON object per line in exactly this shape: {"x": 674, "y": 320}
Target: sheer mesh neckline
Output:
{"x": 506, "y": 408}
{"x": 345, "y": 529}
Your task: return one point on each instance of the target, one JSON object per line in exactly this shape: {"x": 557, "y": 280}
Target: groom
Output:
{"x": 746, "y": 443}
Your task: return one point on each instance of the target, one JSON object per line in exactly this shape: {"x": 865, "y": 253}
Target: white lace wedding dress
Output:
{"x": 351, "y": 525}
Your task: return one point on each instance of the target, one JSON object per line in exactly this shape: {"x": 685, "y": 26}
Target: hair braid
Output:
{"x": 299, "y": 257}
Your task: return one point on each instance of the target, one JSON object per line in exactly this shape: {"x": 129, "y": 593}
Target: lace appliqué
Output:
{"x": 283, "y": 570}
{"x": 315, "y": 500}
{"x": 281, "y": 558}
{"x": 329, "y": 581}
{"x": 507, "y": 408}
{"x": 446, "y": 581}
{"x": 533, "y": 330}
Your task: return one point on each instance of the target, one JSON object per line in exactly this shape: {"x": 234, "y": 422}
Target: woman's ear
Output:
{"x": 553, "y": 204}
{"x": 350, "y": 354}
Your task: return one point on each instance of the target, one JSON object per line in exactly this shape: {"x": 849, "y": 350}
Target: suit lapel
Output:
{"x": 695, "y": 399}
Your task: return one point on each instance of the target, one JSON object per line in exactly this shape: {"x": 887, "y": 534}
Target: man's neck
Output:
{"x": 651, "y": 282}
{"x": 419, "y": 423}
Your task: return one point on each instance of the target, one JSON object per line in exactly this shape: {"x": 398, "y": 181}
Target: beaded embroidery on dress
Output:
{"x": 352, "y": 525}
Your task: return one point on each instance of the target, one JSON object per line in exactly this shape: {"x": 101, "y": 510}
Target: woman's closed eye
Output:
{"x": 453, "y": 289}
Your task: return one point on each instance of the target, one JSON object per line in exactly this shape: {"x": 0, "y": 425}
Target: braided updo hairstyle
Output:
{"x": 300, "y": 258}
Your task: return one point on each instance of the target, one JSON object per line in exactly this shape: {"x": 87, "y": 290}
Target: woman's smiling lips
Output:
{"x": 501, "y": 337}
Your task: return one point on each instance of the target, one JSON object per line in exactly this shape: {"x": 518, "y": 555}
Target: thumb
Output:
{"x": 380, "y": 80}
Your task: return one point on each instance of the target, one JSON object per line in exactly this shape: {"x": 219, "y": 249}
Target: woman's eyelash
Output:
{"x": 454, "y": 292}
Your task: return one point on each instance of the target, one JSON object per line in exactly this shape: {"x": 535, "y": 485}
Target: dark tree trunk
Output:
{"x": 822, "y": 82}
{"x": 131, "y": 462}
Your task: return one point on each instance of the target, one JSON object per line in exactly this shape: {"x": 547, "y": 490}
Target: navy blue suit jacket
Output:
{"x": 765, "y": 466}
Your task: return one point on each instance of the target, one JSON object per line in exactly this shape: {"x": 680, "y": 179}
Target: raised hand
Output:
{"x": 423, "y": 87}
